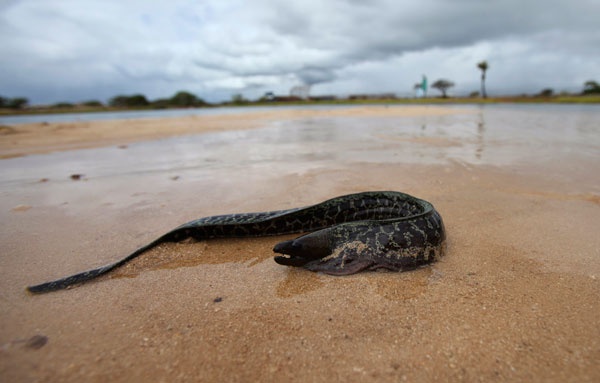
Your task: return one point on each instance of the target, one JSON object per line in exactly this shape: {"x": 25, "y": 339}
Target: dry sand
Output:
{"x": 516, "y": 298}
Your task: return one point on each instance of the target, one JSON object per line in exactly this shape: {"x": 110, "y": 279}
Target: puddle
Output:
{"x": 479, "y": 136}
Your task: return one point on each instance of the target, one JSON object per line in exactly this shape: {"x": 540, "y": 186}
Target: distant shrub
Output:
{"x": 13, "y": 103}
{"x": 161, "y": 103}
{"x": 591, "y": 87}
{"x": 135, "y": 100}
{"x": 548, "y": 92}
{"x": 238, "y": 99}
{"x": 63, "y": 105}
{"x": 92, "y": 103}
{"x": 180, "y": 99}
{"x": 16, "y": 103}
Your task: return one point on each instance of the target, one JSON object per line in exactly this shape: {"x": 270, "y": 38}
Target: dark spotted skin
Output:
{"x": 362, "y": 231}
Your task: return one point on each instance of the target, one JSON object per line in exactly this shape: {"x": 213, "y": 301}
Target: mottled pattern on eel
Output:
{"x": 347, "y": 234}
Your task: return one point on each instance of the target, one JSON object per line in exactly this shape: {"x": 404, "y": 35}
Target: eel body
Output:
{"x": 345, "y": 235}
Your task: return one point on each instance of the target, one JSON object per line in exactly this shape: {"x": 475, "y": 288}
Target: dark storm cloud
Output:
{"x": 311, "y": 75}
{"x": 59, "y": 50}
{"x": 380, "y": 29}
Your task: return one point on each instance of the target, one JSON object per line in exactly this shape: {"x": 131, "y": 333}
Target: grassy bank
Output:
{"x": 570, "y": 99}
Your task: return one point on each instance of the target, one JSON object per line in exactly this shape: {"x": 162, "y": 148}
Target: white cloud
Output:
{"x": 83, "y": 49}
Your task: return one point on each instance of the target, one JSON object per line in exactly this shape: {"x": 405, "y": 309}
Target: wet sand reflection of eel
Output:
{"x": 347, "y": 234}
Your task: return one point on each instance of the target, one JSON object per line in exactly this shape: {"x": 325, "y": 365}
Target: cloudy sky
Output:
{"x": 76, "y": 50}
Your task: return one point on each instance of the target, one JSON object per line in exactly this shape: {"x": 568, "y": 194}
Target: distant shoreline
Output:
{"x": 569, "y": 99}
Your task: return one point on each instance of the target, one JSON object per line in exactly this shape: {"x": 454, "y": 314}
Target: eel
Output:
{"x": 344, "y": 235}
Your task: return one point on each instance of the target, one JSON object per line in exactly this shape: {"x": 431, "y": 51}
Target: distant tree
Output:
{"x": 547, "y": 92}
{"x": 138, "y": 100}
{"x": 483, "y": 65}
{"x": 183, "y": 98}
{"x": 135, "y": 100}
{"x": 16, "y": 103}
{"x": 2, "y": 102}
{"x": 161, "y": 103}
{"x": 238, "y": 99}
{"x": 474, "y": 94}
{"x": 118, "y": 101}
{"x": 93, "y": 103}
{"x": 442, "y": 85}
{"x": 591, "y": 87}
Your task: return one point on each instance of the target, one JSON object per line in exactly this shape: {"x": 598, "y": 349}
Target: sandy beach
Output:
{"x": 515, "y": 298}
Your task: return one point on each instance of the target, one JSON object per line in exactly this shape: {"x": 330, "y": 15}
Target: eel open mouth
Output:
{"x": 291, "y": 254}
{"x": 302, "y": 250}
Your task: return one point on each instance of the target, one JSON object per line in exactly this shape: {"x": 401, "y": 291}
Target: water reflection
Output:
{"x": 480, "y": 132}
{"x": 475, "y": 135}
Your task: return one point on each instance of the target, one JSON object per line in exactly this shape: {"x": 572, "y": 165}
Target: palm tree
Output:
{"x": 484, "y": 67}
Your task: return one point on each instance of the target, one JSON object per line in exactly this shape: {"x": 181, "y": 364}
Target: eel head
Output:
{"x": 318, "y": 251}
{"x": 304, "y": 249}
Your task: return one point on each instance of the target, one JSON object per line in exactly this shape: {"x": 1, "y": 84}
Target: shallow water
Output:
{"x": 562, "y": 139}
{"x": 160, "y": 113}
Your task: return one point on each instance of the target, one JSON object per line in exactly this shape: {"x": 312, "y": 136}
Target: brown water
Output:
{"x": 515, "y": 299}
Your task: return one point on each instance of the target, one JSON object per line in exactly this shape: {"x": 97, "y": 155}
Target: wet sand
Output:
{"x": 514, "y": 299}
{"x": 44, "y": 137}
